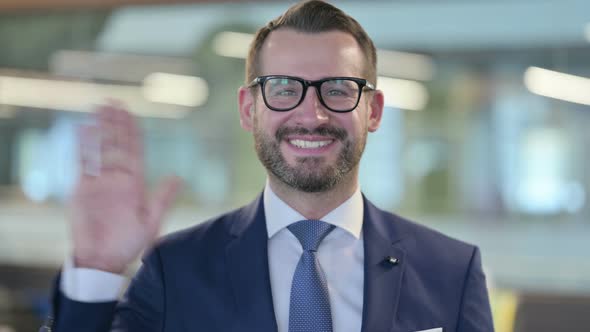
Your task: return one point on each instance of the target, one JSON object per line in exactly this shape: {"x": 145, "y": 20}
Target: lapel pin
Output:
{"x": 391, "y": 260}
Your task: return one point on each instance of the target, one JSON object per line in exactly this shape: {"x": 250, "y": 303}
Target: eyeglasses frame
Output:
{"x": 261, "y": 81}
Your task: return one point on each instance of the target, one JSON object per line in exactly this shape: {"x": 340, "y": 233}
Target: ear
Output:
{"x": 246, "y": 108}
{"x": 375, "y": 110}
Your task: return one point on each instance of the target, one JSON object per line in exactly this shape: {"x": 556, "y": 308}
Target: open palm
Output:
{"x": 112, "y": 216}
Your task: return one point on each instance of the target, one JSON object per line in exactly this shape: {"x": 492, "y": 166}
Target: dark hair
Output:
{"x": 312, "y": 17}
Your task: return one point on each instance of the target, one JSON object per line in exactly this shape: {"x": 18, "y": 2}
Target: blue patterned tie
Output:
{"x": 309, "y": 310}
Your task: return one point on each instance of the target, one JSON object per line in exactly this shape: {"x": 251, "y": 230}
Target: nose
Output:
{"x": 311, "y": 112}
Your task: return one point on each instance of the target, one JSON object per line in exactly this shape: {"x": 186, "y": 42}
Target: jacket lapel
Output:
{"x": 383, "y": 276}
{"x": 247, "y": 259}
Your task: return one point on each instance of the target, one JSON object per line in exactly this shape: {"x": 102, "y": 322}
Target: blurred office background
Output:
{"x": 485, "y": 136}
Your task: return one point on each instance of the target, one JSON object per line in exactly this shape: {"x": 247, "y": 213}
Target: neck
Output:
{"x": 315, "y": 205}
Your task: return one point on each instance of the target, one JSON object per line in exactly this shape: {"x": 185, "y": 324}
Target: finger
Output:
{"x": 107, "y": 118}
{"x": 113, "y": 159}
{"x": 129, "y": 139}
{"x": 89, "y": 150}
{"x": 121, "y": 148}
{"x": 108, "y": 138}
{"x": 112, "y": 119}
{"x": 161, "y": 201}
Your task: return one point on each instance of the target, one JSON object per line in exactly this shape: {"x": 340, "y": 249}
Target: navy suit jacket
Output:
{"x": 215, "y": 277}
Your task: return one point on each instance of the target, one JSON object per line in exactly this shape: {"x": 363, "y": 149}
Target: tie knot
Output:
{"x": 310, "y": 233}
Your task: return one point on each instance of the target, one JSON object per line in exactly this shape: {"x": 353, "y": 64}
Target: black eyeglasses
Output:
{"x": 338, "y": 94}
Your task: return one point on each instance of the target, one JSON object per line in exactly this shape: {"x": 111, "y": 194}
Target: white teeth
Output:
{"x": 308, "y": 144}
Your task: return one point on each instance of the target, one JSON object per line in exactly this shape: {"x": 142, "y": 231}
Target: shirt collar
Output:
{"x": 348, "y": 216}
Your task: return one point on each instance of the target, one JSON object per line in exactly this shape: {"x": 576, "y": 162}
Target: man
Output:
{"x": 309, "y": 254}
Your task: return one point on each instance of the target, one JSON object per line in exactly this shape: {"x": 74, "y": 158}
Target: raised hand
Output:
{"x": 113, "y": 218}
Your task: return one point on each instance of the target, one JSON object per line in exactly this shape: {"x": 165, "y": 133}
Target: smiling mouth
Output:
{"x": 303, "y": 144}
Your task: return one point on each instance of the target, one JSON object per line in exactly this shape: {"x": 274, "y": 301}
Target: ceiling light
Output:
{"x": 405, "y": 65}
{"x": 232, "y": 44}
{"x": 558, "y": 85}
{"x": 114, "y": 67}
{"x": 79, "y": 96}
{"x": 175, "y": 89}
{"x": 403, "y": 94}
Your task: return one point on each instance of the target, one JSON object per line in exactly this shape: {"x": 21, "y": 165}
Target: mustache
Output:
{"x": 327, "y": 131}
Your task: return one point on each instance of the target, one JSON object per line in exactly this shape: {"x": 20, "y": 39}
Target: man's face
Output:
{"x": 310, "y": 148}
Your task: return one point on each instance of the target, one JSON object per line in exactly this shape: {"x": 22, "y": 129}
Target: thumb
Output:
{"x": 161, "y": 200}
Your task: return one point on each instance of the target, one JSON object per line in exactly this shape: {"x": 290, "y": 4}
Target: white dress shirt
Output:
{"x": 340, "y": 254}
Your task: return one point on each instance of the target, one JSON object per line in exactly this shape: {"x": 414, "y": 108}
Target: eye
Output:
{"x": 285, "y": 92}
{"x": 337, "y": 92}
{"x": 339, "y": 88}
{"x": 282, "y": 87}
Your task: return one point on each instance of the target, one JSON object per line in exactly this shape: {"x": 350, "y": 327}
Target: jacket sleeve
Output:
{"x": 475, "y": 314}
{"x": 141, "y": 309}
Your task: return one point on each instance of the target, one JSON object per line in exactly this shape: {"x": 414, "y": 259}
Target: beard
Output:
{"x": 309, "y": 174}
